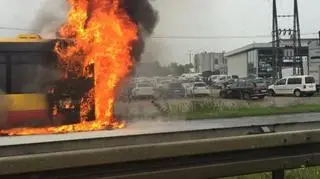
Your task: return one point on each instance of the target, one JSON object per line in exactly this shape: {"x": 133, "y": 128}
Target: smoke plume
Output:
{"x": 143, "y": 14}
{"x": 50, "y": 17}
{"x": 53, "y": 14}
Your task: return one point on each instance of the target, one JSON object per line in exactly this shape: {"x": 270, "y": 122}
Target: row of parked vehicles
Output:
{"x": 232, "y": 87}
{"x": 168, "y": 87}
{"x": 170, "y": 90}
{"x": 259, "y": 88}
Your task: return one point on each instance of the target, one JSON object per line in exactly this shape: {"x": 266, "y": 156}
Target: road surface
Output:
{"x": 140, "y": 127}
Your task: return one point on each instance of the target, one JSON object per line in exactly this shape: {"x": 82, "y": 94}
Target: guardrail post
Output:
{"x": 278, "y": 174}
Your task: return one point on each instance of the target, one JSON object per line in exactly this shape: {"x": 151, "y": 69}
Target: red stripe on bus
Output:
{"x": 22, "y": 117}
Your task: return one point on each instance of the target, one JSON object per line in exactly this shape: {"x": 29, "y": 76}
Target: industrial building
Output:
{"x": 256, "y": 59}
{"x": 210, "y": 61}
{"x": 314, "y": 60}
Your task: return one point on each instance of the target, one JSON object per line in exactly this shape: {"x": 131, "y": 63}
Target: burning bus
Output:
{"x": 106, "y": 42}
{"x": 38, "y": 94}
{"x": 34, "y": 90}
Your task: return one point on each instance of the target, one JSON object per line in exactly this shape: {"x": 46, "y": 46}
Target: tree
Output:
{"x": 178, "y": 69}
{"x": 188, "y": 66}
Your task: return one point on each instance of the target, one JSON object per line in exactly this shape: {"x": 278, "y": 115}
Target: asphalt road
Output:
{"x": 160, "y": 125}
{"x": 149, "y": 122}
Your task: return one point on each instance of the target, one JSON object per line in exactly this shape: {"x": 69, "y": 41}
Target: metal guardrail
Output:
{"x": 198, "y": 158}
{"x": 243, "y": 148}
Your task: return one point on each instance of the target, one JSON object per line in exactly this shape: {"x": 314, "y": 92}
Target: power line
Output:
{"x": 207, "y": 37}
{"x": 171, "y": 37}
{"x": 218, "y": 37}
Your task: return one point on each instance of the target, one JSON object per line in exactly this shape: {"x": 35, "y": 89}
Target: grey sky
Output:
{"x": 188, "y": 18}
{"x": 222, "y": 18}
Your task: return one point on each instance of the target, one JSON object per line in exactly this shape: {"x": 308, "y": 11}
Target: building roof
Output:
{"x": 27, "y": 46}
{"x": 283, "y": 42}
{"x": 247, "y": 48}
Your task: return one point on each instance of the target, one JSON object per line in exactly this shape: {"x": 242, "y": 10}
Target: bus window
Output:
{"x": 2, "y": 59}
{"x": 3, "y": 72}
{"x": 28, "y": 58}
{"x": 28, "y": 78}
{"x": 3, "y": 77}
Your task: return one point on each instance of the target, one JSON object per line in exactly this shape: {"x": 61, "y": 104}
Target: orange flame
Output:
{"x": 82, "y": 127}
{"x": 102, "y": 34}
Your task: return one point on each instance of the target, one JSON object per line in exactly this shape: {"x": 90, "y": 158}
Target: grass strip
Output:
{"x": 304, "y": 173}
{"x": 253, "y": 111}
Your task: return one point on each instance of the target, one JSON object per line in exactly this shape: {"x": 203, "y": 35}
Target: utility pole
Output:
{"x": 295, "y": 37}
{"x": 297, "y": 40}
{"x": 275, "y": 42}
{"x": 319, "y": 37}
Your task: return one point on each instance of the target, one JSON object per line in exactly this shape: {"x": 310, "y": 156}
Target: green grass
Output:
{"x": 217, "y": 109}
{"x": 226, "y": 112}
{"x": 304, "y": 173}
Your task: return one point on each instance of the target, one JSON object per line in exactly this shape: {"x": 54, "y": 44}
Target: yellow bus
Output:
{"x": 27, "y": 63}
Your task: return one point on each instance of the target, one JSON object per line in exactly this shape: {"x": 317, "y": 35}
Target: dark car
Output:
{"x": 228, "y": 82}
{"x": 244, "y": 89}
{"x": 260, "y": 82}
{"x": 174, "y": 90}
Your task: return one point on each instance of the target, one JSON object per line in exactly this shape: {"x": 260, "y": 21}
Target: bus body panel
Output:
{"x": 20, "y": 106}
{"x": 25, "y": 110}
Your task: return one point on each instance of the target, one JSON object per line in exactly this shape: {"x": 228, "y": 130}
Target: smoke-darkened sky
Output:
{"x": 188, "y": 18}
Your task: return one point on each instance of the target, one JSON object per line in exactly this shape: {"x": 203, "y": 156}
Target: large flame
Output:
{"x": 103, "y": 34}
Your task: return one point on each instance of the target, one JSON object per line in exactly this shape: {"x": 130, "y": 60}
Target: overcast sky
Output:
{"x": 213, "y": 18}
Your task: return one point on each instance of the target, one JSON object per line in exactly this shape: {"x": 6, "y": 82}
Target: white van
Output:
{"x": 296, "y": 85}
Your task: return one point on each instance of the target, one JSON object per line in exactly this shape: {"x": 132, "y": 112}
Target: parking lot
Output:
{"x": 145, "y": 108}
{"x": 162, "y": 95}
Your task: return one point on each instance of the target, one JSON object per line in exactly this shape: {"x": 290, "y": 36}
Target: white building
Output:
{"x": 210, "y": 61}
{"x": 314, "y": 60}
{"x": 256, "y": 59}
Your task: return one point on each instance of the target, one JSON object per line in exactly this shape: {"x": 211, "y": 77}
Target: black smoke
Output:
{"x": 145, "y": 16}
{"x": 141, "y": 12}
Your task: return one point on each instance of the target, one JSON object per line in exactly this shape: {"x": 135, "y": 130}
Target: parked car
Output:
{"x": 294, "y": 85}
{"x": 244, "y": 89}
{"x": 188, "y": 88}
{"x": 199, "y": 89}
{"x": 143, "y": 90}
{"x": 228, "y": 83}
{"x": 174, "y": 90}
{"x": 212, "y": 79}
{"x": 163, "y": 84}
{"x": 260, "y": 82}
{"x": 221, "y": 80}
